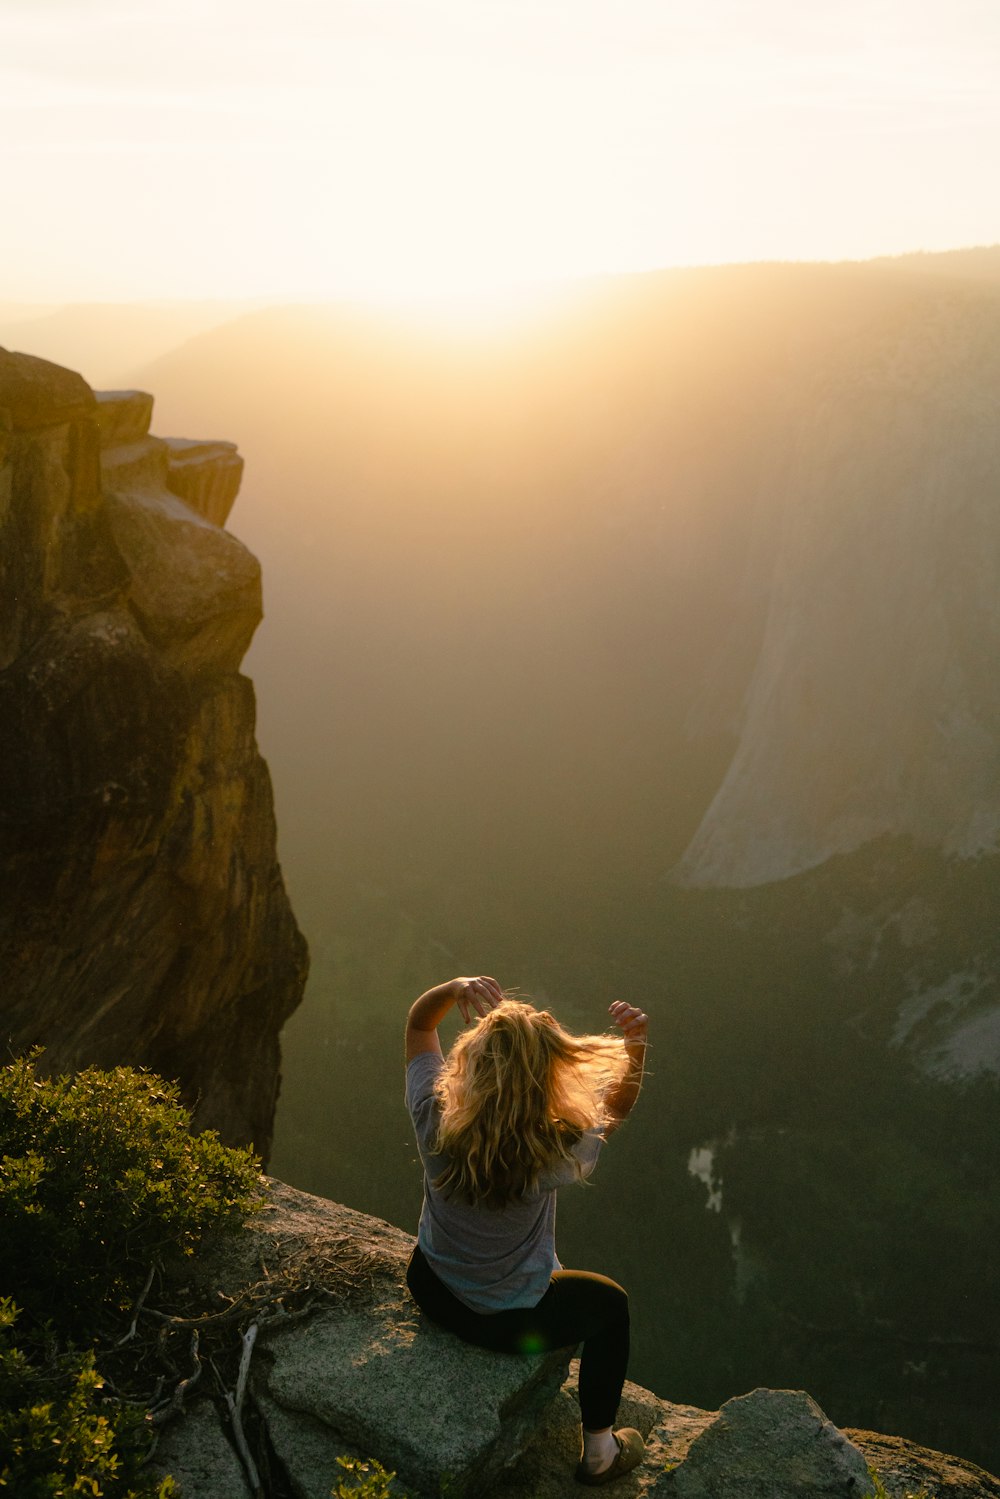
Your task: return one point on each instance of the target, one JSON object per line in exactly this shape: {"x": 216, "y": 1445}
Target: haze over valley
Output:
{"x": 644, "y": 647}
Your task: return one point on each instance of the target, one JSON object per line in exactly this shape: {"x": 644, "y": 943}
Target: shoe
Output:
{"x": 631, "y": 1451}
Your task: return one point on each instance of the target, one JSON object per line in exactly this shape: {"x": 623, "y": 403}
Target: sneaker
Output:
{"x": 631, "y": 1451}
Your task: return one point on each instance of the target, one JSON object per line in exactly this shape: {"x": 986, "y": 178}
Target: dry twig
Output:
{"x": 137, "y": 1309}
{"x": 173, "y": 1406}
{"x": 234, "y": 1405}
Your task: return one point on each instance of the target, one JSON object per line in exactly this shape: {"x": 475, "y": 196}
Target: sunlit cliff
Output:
{"x": 143, "y": 917}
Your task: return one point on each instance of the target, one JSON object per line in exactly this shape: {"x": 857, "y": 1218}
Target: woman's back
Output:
{"x": 490, "y": 1256}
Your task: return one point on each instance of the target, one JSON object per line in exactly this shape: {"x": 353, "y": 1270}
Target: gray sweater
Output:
{"x": 490, "y": 1258}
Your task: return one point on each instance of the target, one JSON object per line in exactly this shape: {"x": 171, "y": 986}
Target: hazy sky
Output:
{"x": 316, "y": 148}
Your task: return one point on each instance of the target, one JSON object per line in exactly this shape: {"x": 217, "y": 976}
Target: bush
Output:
{"x": 369, "y": 1480}
{"x": 99, "y": 1176}
{"x": 54, "y": 1440}
{"x": 99, "y": 1179}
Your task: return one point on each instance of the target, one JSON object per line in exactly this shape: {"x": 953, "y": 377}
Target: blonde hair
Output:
{"x": 517, "y": 1093}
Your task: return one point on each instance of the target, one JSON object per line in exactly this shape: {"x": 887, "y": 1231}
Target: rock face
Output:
{"x": 871, "y": 707}
{"x": 143, "y": 917}
{"x": 364, "y": 1374}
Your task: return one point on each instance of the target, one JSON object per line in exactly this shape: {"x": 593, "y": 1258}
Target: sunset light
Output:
{"x": 499, "y": 563}
{"x": 392, "y": 150}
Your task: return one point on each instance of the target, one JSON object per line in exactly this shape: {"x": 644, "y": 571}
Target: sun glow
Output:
{"x": 480, "y": 312}
{"x": 460, "y": 149}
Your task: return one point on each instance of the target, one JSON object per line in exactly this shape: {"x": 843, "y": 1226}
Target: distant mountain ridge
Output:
{"x": 108, "y": 341}
{"x": 978, "y": 262}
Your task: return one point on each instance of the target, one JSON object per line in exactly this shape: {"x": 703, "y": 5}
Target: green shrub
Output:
{"x": 99, "y": 1176}
{"x": 369, "y": 1480}
{"x": 54, "y": 1440}
{"x": 100, "y": 1179}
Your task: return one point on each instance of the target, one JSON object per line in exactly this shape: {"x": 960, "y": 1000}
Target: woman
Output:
{"x": 518, "y": 1108}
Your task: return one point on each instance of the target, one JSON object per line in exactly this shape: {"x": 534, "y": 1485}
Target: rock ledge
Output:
{"x": 371, "y": 1377}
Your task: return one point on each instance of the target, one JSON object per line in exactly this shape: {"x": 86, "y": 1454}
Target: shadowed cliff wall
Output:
{"x": 143, "y": 918}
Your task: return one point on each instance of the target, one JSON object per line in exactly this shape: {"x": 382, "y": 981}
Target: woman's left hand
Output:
{"x": 634, "y": 1023}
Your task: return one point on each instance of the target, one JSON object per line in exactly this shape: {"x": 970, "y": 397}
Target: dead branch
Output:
{"x": 234, "y": 1405}
{"x": 174, "y": 1405}
{"x": 137, "y": 1309}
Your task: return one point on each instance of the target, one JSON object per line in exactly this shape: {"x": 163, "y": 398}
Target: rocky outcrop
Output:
{"x": 143, "y": 917}
{"x": 365, "y": 1374}
{"x": 774, "y": 1444}
{"x": 356, "y": 1370}
{"x": 768, "y": 1442}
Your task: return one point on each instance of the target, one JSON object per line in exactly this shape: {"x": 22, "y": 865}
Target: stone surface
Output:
{"x": 136, "y": 467}
{"x": 766, "y": 1445}
{"x": 364, "y": 1375}
{"x": 194, "y": 588}
{"x": 123, "y": 416}
{"x": 671, "y": 1431}
{"x": 372, "y": 1376}
{"x": 206, "y": 475}
{"x": 195, "y": 1451}
{"x": 36, "y": 393}
{"x": 446, "y": 1417}
{"x": 545, "y": 1469}
{"x": 904, "y": 1468}
{"x": 143, "y": 917}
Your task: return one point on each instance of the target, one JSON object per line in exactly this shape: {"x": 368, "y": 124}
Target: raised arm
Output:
{"x": 473, "y": 996}
{"x": 621, "y": 1100}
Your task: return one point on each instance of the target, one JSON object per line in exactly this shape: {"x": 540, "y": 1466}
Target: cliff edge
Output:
{"x": 143, "y": 918}
{"x": 337, "y": 1360}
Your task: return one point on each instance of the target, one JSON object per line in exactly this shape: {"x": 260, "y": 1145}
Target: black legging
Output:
{"x": 578, "y": 1306}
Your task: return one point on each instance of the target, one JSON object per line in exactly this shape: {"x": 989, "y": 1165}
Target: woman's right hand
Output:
{"x": 473, "y": 996}
{"x": 476, "y": 996}
{"x": 634, "y": 1025}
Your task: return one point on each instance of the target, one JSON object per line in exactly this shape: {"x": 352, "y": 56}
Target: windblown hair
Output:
{"x": 517, "y": 1092}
